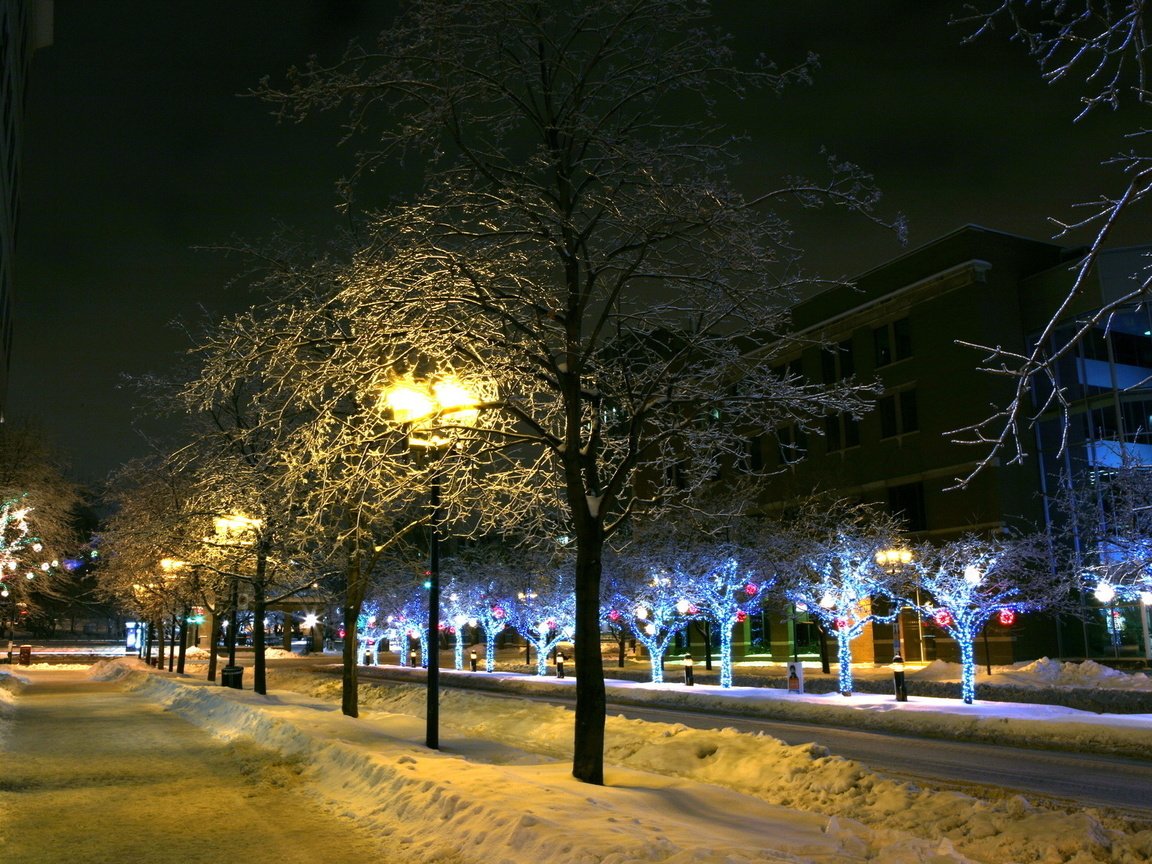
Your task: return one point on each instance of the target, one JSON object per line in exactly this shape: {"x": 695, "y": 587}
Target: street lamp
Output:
{"x": 893, "y": 561}
{"x": 229, "y": 531}
{"x": 428, "y": 409}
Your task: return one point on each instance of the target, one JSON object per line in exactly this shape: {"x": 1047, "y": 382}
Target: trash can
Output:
{"x": 232, "y": 676}
{"x": 25, "y": 655}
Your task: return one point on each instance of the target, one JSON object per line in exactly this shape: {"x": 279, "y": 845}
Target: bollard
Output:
{"x": 472, "y": 658}
{"x": 689, "y": 681}
{"x": 560, "y": 664}
{"x": 898, "y": 678}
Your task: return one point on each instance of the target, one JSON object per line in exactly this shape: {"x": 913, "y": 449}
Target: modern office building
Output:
{"x": 25, "y": 25}
{"x": 911, "y": 325}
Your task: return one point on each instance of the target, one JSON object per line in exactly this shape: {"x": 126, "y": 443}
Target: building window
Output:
{"x": 898, "y": 415}
{"x": 1134, "y": 426}
{"x": 841, "y": 431}
{"x": 892, "y": 342}
{"x": 907, "y": 503}
{"x": 837, "y": 362}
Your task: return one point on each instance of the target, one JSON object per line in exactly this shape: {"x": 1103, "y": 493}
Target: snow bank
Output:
{"x": 674, "y": 794}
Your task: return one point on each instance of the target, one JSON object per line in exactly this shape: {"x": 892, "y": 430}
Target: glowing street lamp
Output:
{"x": 233, "y": 530}
{"x": 429, "y": 410}
{"x": 893, "y": 561}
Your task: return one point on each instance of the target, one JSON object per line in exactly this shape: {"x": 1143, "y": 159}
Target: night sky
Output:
{"x": 139, "y": 153}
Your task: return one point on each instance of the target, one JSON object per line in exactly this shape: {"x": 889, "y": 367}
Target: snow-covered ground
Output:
{"x": 500, "y": 791}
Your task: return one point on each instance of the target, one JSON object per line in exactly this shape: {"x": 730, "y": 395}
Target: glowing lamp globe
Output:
{"x": 1104, "y": 592}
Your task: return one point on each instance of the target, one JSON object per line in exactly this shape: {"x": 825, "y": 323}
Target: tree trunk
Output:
{"x": 825, "y": 664}
{"x": 350, "y": 694}
{"x": 213, "y": 642}
{"x": 355, "y": 587}
{"x": 259, "y": 610}
{"x": 706, "y": 627}
{"x": 183, "y": 640}
{"x": 591, "y": 704}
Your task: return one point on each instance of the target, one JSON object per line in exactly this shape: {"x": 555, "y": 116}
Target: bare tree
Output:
{"x": 152, "y": 555}
{"x": 1106, "y": 45}
{"x": 575, "y": 251}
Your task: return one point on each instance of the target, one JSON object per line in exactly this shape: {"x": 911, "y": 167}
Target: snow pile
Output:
{"x": 673, "y": 794}
{"x": 1089, "y": 673}
{"x": 938, "y": 670}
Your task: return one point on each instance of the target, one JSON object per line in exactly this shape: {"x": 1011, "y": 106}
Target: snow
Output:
{"x": 500, "y": 790}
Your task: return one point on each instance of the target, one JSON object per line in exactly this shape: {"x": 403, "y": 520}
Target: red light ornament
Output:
{"x": 1007, "y": 617}
{"x": 942, "y": 617}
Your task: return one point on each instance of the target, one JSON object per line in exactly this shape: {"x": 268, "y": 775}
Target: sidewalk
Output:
{"x": 95, "y": 774}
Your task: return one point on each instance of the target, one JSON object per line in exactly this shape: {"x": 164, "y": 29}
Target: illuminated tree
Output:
{"x": 974, "y": 579}
{"x": 32, "y": 472}
{"x": 727, "y": 589}
{"x": 21, "y": 558}
{"x": 838, "y": 583}
{"x": 542, "y": 613}
{"x": 371, "y": 630}
{"x": 485, "y": 585}
{"x": 158, "y": 515}
{"x": 653, "y": 600}
{"x": 575, "y": 242}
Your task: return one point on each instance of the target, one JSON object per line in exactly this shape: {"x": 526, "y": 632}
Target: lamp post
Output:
{"x": 228, "y": 530}
{"x": 426, "y": 409}
{"x": 893, "y": 561}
